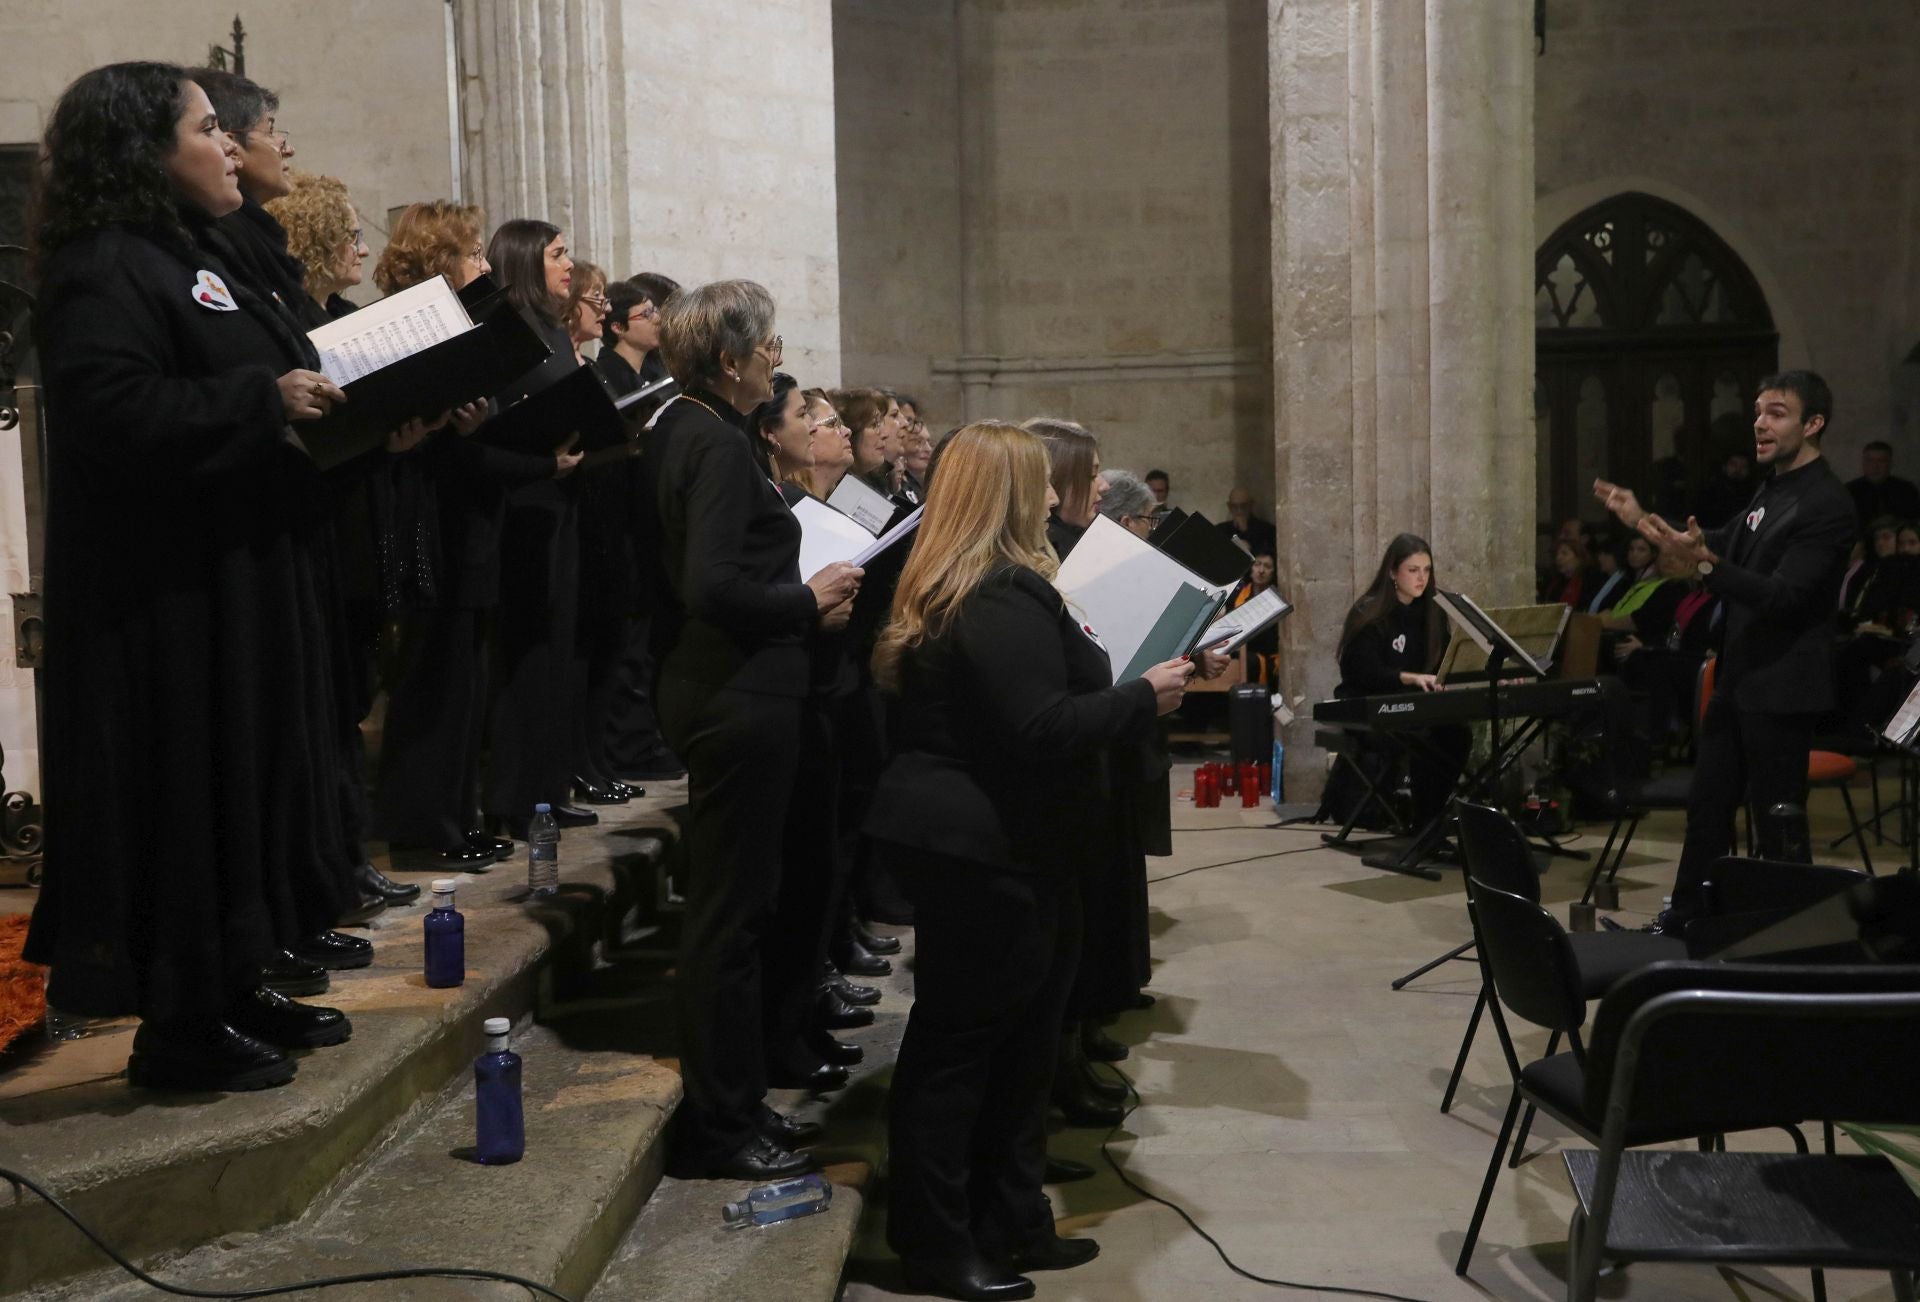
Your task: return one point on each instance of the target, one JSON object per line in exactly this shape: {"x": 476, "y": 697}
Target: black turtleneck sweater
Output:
{"x": 1400, "y": 643}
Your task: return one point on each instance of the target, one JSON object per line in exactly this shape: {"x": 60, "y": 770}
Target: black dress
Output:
{"x": 735, "y": 617}
{"x": 188, "y": 770}
{"x": 995, "y": 805}
{"x": 530, "y": 728}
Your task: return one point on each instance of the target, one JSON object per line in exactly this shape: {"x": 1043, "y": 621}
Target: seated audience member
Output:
{"x": 994, "y": 806}
{"x": 1878, "y": 491}
{"x": 1157, "y": 480}
{"x": 1610, "y": 571}
{"x": 1263, "y": 648}
{"x": 1247, "y": 531}
{"x": 1572, "y": 581}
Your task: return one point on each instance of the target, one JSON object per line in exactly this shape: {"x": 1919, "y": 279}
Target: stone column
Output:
{"x": 1402, "y": 181}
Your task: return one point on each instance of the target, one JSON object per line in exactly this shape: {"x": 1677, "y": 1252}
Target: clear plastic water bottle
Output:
{"x": 500, "y": 1131}
{"x": 780, "y": 1201}
{"x": 1279, "y": 791}
{"x": 543, "y": 852}
{"x": 446, "y": 933}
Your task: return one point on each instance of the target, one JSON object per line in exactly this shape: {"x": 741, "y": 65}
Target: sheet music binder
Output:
{"x": 1202, "y": 548}
{"x": 471, "y": 366}
{"x": 577, "y": 411}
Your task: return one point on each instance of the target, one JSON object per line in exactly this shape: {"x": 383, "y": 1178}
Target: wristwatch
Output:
{"x": 1704, "y": 568}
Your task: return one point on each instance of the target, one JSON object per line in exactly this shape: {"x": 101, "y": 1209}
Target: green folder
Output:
{"x": 1175, "y": 632}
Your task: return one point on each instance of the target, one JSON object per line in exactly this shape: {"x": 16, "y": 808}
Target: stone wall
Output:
{"x": 730, "y": 157}
{"x": 1791, "y": 131}
{"x": 1108, "y": 201}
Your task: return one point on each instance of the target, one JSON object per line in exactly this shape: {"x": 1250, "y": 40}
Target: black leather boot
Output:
{"x": 277, "y": 1020}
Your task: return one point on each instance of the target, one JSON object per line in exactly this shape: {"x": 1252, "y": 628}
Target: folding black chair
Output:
{"x": 1710, "y": 1047}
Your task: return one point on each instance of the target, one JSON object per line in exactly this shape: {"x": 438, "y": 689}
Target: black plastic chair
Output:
{"x": 1497, "y": 854}
{"x": 1716, "y": 1047}
{"x": 1530, "y": 965}
{"x": 1743, "y": 896}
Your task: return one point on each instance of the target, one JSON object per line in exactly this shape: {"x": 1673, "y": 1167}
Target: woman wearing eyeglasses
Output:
{"x": 629, "y": 333}
{"x": 734, "y": 617}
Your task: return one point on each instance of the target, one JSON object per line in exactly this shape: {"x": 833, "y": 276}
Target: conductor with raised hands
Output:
{"x": 1778, "y": 567}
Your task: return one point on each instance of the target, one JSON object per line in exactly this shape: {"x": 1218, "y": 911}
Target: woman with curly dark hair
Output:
{"x": 187, "y": 772}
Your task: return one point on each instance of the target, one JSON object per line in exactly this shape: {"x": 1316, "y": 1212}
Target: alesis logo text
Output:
{"x": 1403, "y": 707}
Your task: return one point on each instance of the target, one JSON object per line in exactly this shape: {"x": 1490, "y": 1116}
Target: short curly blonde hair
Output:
{"x": 319, "y": 219}
{"x": 429, "y": 239}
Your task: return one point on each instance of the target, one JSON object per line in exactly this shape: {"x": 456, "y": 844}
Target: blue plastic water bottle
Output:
{"x": 543, "y": 852}
{"x": 500, "y": 1132}
{"x": 780, "y": 1201}
{"x": 446, "y": 933}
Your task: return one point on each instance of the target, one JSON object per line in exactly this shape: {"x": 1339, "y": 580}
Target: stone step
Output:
{"x": 679, "y": 1251}
{"x": 162, "y": 1173}
{"x": 595, "y": 1126}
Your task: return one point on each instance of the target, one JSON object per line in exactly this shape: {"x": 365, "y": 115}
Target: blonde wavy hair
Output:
{"x": 318, "y": 216}
{"x": 987, "y": 508}
{"x": 430, "y": 239}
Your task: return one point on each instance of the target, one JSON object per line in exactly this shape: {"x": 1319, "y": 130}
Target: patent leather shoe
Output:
{"x": 289, "y": 974}
{"x": 335, "y": 952}
{"x": 836, "y": 1014}
{"x": 884, "y": 946}
{"x": 757, "y": 1160}
{"x": 1100, "y": 1087}
{"x": 375, "y": 882}
{"x": 787, "y": 1132}
{"x": 498, "y": 846}
{"x": 820, "y": 1080}
{"x": 594, "y": 794}
{"x": 277, "y": 1020}
{"x": 368, "y": 907}
{"x": 1064, "y": 1170}
{"x": 971, "y": 1279}
{"x": 835, "y": 1053}
{"x": 853, "y": 992}
{"x": 1054, "y": 1253}
{"x": 624, "y": 791}
{"x": 860, "y": 961}
{"x": 573, "y": 816}
{"x": 211, "y": 1056}
{"x": 1100, "y": 1046}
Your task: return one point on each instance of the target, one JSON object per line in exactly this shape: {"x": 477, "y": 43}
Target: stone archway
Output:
{"x": 1650, "y": 332}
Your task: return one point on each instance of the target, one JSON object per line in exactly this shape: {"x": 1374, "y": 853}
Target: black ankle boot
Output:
{"x": 202, "y": 1058}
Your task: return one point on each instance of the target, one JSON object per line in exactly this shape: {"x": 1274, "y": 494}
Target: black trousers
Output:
{"x": 742, "y": 752}
{"x": 811, "y": 889}
{"x": 994, "y": 957}
{"x": 1743, "y": 757}
{"x": 634, "y": 743}
{"x": 530, "y": 725}
{"x": 430, "y": 747}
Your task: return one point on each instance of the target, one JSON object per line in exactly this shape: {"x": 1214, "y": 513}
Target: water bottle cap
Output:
{"x": 496, "y": 1026}
{"x": 734, "y": 1213}
{"x": 446, "y": 885}
{"x": 543, "y": 808}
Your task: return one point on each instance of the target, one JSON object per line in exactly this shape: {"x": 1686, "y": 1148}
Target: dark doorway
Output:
{"x": 1651, "y": 335}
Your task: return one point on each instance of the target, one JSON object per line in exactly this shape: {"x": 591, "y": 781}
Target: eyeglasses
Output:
{"x": 279, "y": 138}
{"x": 776, "y": 350}
{"x": 598, "y": 302}
{"x": 645, "y": 312}
{"x": 353, "y": 237}
{"x": 829, "y": 421}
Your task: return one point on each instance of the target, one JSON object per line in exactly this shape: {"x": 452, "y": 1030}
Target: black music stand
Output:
{"x": 1902, "y": 732}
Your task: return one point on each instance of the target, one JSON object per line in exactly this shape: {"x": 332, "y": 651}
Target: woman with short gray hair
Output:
{"x": 1128, "y": 502}
{"x": 732, "y": 618}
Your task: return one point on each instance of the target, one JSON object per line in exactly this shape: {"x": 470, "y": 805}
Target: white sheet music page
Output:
{"x": 397, "y": 326}
{"x": 857, "y": 500}
{"x": 826, "y": 536}
{"x": 1251, "y": 617}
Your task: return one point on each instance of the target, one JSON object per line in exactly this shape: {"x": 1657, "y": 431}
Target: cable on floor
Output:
{"x": 1232, "y": 1265}
{"x": 20, "y": 1182}
{"x": 1252, "y": 858}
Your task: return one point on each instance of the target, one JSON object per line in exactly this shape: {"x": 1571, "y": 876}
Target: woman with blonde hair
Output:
{"x": 995, "y": 802}
{"x": 323, "y": 231}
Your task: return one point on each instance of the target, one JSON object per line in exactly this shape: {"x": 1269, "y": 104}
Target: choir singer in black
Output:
{"x": 735, "y": 617}
{"x": 997, "y": 800}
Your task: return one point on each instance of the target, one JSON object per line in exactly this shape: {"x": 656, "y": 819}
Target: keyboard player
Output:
{"x": 1392, "y": 643}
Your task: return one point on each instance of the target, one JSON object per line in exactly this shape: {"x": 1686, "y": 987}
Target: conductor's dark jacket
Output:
{"x": 1002, "y": 732}
{"x": 1781, "y": 564}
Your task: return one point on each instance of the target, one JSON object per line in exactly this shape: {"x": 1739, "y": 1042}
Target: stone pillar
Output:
{"x": 1402, "y": 181}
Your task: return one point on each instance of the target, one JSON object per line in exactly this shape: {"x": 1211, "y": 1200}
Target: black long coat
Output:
{"x": 187, "y": 765}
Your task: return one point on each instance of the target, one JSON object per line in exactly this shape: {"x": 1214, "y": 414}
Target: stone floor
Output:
{"x": 1289, "y": 1098}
